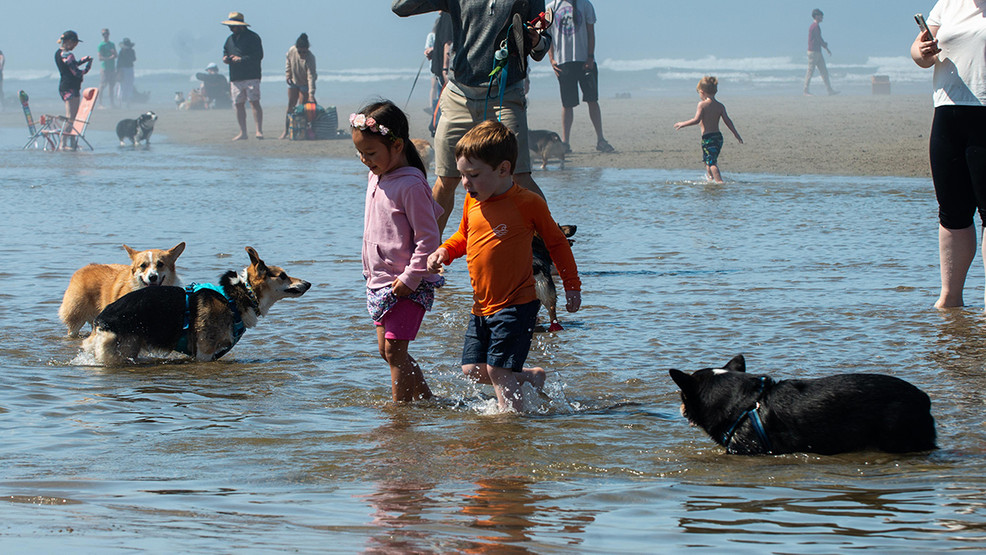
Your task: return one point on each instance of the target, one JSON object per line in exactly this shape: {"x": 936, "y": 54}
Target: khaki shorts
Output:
{"x": 460, "y": 114}
{"x": 241, "y": 91}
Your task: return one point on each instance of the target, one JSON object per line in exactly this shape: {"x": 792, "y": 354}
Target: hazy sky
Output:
{"x": 366, "y": 34}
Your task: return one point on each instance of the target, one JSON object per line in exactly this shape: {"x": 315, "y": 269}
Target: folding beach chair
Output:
{"x": 58, "y": 127}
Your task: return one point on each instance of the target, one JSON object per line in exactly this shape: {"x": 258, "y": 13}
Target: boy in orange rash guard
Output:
{"x": 498, "y": 223}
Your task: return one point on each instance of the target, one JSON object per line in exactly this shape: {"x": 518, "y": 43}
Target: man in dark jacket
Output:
{"x": 243, "y": 52}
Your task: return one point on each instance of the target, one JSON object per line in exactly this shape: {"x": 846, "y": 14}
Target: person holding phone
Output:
{"x": 954, "y": 44}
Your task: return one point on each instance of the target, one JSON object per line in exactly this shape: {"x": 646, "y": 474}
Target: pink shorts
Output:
{"x": 403, "y": 320}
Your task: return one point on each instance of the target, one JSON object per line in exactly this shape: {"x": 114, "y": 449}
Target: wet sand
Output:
{"x": 842, "y": 135}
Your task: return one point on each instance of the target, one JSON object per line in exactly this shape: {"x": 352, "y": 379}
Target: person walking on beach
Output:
{"x": 482, "y": 85}
{"x": 499, "y": 219}
{"x": 573, "y": 58}
{"x": 243, "y": 53}
{"x": 815, "y": 58}
{"x": 709, "y": 112}
{"x": 956, "y": 48}
{"x": 70, "y": 83}
{"x": 400, "y": 230}
{"x": 125, "y": 70}
{"x": 300, "y": 75}
{"x": 107, "y": 76}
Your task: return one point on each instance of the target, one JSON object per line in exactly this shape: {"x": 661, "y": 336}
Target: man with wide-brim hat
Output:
{"x": 243, "y": 53}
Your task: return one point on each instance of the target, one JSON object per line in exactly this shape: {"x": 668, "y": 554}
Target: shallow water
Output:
{"x": 291, "y": 441}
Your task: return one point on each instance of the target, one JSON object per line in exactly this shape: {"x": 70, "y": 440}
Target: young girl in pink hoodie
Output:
{"x": 400, "y": 230}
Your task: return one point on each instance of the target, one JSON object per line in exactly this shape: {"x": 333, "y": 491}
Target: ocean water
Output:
{"x": 290, "y": 442}
{"x": 650, "y": 77}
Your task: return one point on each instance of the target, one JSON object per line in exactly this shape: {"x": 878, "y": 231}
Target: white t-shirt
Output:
{"x": 569, "y": 38}
{"x": 960, "y": 70}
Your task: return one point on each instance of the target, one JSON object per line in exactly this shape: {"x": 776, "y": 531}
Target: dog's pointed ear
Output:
{"x": 685, "y": 381}
{"x": 255, "y": 260}
{"x": 175, "y": 251}
{"x": 130, "y": 252}
{"x": 737, "y": 364}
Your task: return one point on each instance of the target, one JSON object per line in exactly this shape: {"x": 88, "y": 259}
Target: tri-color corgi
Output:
{"x": 202, "y": 321}
{"x": 94, "y": 286}
{"x": 544, "y": 284}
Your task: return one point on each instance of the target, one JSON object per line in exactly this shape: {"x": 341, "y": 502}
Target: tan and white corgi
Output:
{"x": 202, "y": 321}
{"x": 94, "y": 286}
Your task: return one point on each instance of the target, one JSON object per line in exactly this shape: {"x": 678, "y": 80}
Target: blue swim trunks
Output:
{"x": 711, "y": 146}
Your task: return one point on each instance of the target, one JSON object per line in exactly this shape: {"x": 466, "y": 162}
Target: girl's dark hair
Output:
{"x": 302, "y": 41}
{"x": 387, "y": 113}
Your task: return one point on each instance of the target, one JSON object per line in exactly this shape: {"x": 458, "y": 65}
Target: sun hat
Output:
{"x": 126, "y": 42}
{"x": 235, "y": 18}
{"x": 69, "y": 35}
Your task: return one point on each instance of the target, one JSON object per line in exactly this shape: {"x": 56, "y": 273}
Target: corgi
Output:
{"x": 94, "y": 286}
{"x": 548, "y": 145}
{"x": 202, "y": 321}
{"x": 754, "y": 415}
{"x": 425, "y": 151}
{"x": 544, "y": 284}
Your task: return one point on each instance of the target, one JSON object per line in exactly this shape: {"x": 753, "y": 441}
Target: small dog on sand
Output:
{"x": 136, "y": 130}
{"x": 754, "y": 415}
{"x": 94, "y": 286}
{"x": 202, "y": 321}
{"x": 548, "y": 145}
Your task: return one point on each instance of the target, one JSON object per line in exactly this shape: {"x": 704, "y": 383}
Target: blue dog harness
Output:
{"x": 238, "y": 326}
{"x": 755, "y": 420}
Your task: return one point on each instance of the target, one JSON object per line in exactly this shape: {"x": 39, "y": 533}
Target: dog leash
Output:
{"x": 754, "y": 416}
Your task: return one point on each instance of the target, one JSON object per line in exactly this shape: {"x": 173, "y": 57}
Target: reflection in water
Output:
{"x": 811, "y": 513}
{"x": 504, "y": 513}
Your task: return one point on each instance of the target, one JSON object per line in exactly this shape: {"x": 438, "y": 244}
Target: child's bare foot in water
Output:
{"x": 534, "y": 376}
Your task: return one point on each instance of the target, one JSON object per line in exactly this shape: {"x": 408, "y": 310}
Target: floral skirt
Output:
{"x": 379, "y": 301}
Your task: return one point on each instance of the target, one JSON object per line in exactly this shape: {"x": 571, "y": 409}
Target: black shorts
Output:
{"x": 502, "y": 339}
{"x": 958, "y": 164}
{"x": 573, "y": 76}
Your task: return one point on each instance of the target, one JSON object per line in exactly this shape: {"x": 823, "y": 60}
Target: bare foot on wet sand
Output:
{"x": 240, "y": 137}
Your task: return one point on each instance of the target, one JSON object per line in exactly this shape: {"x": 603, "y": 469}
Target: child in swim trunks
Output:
{"x": 709, "y": 112}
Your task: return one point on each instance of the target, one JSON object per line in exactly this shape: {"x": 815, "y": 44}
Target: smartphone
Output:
{"x": 923, "y": 25}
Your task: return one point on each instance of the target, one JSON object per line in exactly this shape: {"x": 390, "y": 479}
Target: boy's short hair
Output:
{"x": 816, "y": 12}
{"x": 708, "y": 85}
{"x": 490, "y": 142}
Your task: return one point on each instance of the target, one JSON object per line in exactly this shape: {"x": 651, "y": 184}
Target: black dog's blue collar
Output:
{"x": 755, "y": 419}
{"x": 238, "y": 326}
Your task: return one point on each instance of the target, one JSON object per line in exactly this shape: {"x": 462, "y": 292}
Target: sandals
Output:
{"x": 603, "y": 146}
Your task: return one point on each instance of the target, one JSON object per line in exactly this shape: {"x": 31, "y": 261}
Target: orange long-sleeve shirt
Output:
{"x": 495, "y": 235}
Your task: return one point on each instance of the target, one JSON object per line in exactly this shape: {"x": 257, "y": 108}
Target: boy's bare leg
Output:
{"x": 956, "y": 251}
{"x": 714, "y": 173}
{"x": 506, "y": 382}
{"x": 567, "y": 117}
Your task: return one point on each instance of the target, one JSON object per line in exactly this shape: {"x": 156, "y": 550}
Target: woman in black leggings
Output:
{"x": 956, "y": 48}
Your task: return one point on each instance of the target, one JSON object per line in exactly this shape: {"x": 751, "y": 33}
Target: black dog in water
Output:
{"x": 754, "y": 415}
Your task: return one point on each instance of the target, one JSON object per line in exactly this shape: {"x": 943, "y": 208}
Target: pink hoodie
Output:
{"x": 400, "y": 229}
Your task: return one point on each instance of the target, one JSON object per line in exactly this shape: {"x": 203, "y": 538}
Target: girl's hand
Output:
{"x": 573, "y": 300}
{"x": 436, "y": 259}
{"x": 400, "y": 289}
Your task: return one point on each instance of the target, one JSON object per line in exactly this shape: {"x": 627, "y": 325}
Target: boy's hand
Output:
{"x": 400, "y": 289}
{"x": 436, "y": 259}
{"x": 573, "y": 300}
